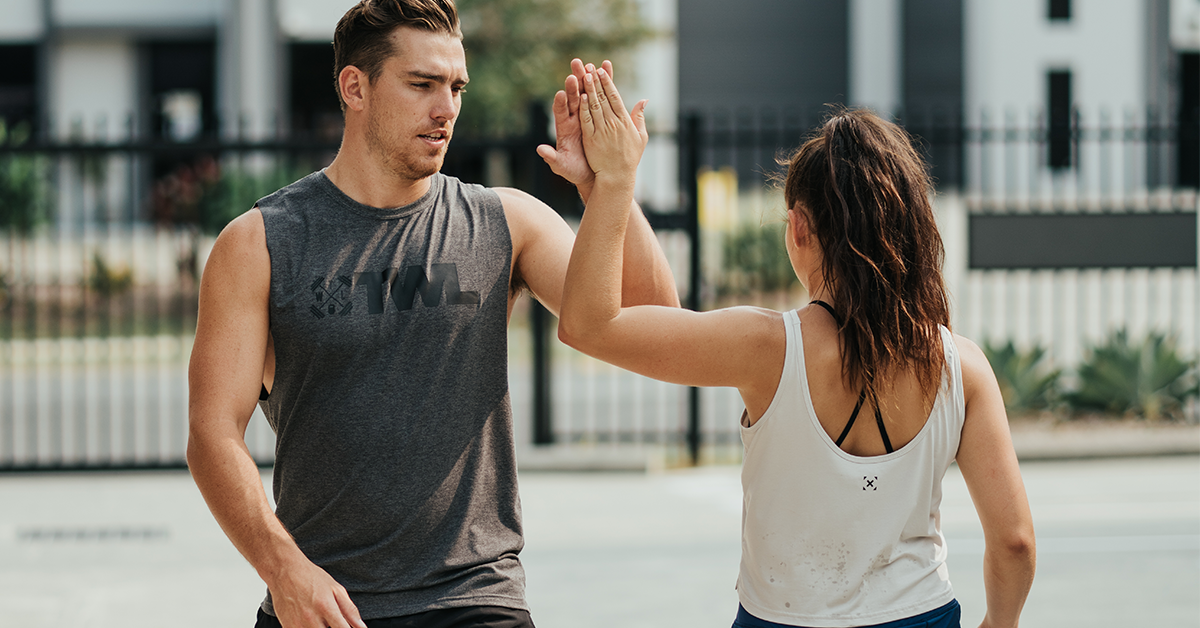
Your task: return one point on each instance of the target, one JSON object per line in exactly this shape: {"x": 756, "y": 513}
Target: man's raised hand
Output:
{"x": 568, "y": 159}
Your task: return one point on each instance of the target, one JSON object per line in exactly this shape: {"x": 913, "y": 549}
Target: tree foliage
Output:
{"x": 518, "y": 52}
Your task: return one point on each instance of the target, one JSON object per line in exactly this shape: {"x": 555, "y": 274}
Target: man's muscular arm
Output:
{"x": 224, "y": 379}
{"x": 647, "y": 279}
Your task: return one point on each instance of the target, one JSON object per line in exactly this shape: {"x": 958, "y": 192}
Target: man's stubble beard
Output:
{"x": 400, "y": 163}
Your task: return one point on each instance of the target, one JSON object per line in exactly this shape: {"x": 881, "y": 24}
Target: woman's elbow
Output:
{"x": 581, "y": 337}
{"x": 1018, "y": 546}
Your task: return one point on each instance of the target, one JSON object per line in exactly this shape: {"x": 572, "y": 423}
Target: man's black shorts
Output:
{"x": 466, "y": 617}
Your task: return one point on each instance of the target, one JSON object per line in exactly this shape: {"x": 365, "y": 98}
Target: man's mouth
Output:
{"x": 434, "y": 136}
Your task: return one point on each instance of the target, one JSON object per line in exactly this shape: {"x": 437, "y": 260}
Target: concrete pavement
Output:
{"x": 1119, "y": 545}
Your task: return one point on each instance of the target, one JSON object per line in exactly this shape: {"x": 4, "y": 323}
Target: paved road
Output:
{"x": 1119, "y": 545}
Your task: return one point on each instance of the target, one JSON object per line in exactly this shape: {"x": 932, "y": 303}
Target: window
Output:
{"x": 1189, "y": 120}
{"x": 18, "y": 85}
{"x": 314, "y": 106}
{"x": 1058, "y": 123}
{"x": 1059, "y": 9}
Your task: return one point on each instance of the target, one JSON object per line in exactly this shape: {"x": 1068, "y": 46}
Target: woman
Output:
{"x": 840, "y": 517}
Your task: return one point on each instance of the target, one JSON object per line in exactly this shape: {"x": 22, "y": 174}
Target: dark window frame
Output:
{"x": 1059, "y": 114}
{"x": 1058, "y": 10}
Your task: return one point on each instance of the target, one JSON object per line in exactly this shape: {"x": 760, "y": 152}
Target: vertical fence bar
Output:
{"x": 689, "y": 145}
{"x": 539, "y": 321}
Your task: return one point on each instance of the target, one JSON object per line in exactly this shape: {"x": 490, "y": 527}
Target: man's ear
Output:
{"x": 353, "y": 84}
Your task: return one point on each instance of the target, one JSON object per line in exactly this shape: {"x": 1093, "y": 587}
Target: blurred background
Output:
{"x": 1064, "y": 138}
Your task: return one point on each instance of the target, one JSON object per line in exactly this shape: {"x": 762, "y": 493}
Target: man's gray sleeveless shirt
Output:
{"x": 394, "y": 461}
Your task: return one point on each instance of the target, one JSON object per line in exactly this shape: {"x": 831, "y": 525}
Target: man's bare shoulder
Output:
{"x": 522, "y": 205}
{"x": 529, "y": 218}
{"x": 241, "y": 249}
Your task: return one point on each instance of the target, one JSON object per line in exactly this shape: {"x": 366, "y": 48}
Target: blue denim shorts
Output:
{"x": 947, "y": 616}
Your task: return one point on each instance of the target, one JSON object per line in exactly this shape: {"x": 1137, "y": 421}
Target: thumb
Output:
{"x": 639, "y": 117}
{"x": 549, "y": 154}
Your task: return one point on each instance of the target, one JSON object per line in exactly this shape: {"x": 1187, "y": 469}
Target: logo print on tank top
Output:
{"x": 333, "y": 298}
{"x": 404, "y": 288}
{"x": 869, "y": 483}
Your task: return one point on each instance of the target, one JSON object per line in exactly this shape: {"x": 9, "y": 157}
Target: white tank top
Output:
{"x": 833, "y": 539}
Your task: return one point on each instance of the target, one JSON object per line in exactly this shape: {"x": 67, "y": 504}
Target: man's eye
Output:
{"x": 459, "y": 90}
{"x": 420, "y": 85}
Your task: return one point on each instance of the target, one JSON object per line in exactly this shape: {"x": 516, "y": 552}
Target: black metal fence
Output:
{"x": 101, "y": 246}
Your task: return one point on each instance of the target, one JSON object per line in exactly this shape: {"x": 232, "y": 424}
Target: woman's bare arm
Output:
{"x": 740, "y": 347}
{"x": 989, "y": 466}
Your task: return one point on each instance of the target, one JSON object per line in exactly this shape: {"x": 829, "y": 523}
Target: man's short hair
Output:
{"x": 363, "y": 35}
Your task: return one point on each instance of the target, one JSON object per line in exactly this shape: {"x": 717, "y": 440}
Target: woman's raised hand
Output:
{"x": 613, "y": 139}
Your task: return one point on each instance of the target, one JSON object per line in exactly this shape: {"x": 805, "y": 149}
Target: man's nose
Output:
{"x": 445, "y": 108}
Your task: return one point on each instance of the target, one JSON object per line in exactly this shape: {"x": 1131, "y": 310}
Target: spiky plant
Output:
{"x": 1025, "y": 383}
{"x": 1146, "y": 379}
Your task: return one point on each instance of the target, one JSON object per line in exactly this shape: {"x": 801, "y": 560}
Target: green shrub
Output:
{"x": 1147, "y": 379}
{"x": 209, "y": 194}
{"x": 756, "y": 260}
{"x": 1025, "y": 383}
{"x": 22, "y": 184}
{"x": 238, "y": 190}
{"x": 106, "y": 281}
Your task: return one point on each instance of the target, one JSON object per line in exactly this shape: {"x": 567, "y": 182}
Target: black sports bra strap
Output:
{"x": 853, "y": 415}
{"x": 887, "y": 442}
{"x": 828, "y": 308}
{"x": 862, "y": 396}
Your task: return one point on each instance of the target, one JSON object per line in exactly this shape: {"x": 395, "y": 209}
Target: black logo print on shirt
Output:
{"x": 331, "y": 299}
{"x": 403, "y": 287}
{"x": 869, "y": 483}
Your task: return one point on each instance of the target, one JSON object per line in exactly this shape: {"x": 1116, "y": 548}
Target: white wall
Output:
{"x": 125, "y": 13}
{"x": 1185, "y": 24}
{"x": 22, "y": 20}
{"x": 1011, "y": 45}
{"x": 250, "y": 76}
{"x": 875, "y": 54}
{"x": 654, "y": 75}
{"x": 311, "y": 20}
{"x": 91, "y": 79}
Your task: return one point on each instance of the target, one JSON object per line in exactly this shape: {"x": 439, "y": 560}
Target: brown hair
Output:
{"x": 865, "y": 191}
{"x": 363, "y": 35}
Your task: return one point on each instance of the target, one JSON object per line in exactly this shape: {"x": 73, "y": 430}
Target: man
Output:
{"x": 367, "y": 306}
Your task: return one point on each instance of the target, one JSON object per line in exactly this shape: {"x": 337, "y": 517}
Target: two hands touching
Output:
{"x": 594, "y": 132}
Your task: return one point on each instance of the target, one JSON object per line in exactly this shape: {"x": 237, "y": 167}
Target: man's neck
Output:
{"x": 363, "y": 180}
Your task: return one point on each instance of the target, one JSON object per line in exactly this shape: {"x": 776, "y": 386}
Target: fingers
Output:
{"x": 349, "y": 610}
{"x": 572, "y": 93}
{"x": 607, "y": 67}
{"x": 612, "y": 97}
{"x": 560, "y": 105}
{"x": 585, "y": 116}
{"x": 595, "y": 102}
{"x": 562, "y": 115}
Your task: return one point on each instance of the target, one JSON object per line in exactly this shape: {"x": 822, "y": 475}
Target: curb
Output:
{"x": 1122, "y": 440}
{"x": 1033, "y": 442}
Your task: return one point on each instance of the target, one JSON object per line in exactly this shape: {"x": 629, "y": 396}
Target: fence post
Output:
{"x": 689, "y": 166}
{"x": 539, "y": 316}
